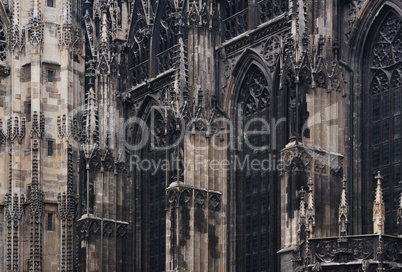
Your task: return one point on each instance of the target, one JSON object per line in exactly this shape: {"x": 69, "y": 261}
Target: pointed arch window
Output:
{"x": 254, "y": 195}
{"x": 386, "y": 119}
{"x": 151, "y": 193}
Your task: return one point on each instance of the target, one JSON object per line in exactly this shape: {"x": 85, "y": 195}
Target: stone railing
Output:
{"x": 354, "y": 251}
{"x": 167, "y": 59}
{"x": 140, "y": 73}
{"x": 269, "y": 9}
{"x": 235, "y": 25}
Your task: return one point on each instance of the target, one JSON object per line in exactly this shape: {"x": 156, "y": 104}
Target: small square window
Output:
{"x": 50, "y": 148}
{"x": 50, "y": 75}
{"x": 50, "y": 3}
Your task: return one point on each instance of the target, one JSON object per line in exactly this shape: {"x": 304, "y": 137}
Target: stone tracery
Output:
{"x": 255, "y": 92}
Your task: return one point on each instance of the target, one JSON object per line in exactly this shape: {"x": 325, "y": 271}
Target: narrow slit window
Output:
{"x": 50, "y": 76}
{"x": 28, "y": 108}
{"x": 50, "y": 148}
{"x": 50, "y": 221}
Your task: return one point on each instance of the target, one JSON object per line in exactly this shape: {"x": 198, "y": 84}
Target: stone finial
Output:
{"x": 302, "y": 217}
{"x": 302, "y": 208}
{"x": 378, "y": 208}
{"x": 91, "y": 118}
{"x": 310, "y": 203}
{"x": 310, "y": 213}
{"x": 343, "y": 211}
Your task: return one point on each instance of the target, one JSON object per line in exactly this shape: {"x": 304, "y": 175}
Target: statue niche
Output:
{"x": 297, "y": 114}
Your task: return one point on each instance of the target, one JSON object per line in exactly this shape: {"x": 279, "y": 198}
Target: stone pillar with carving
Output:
{"x": 195, "y": 214}
{"x": 106, "y": 192}
{"x": 44, "y": 66}
{"x": 37, "y": 136}
{"x": 293, "y": 206}
{"x": 324, "y": 169}
{"x": 66, "y": 213}
{"x": 195, "y": 219}
{"x": 36, "y": 197}
{"x": 13, "y": 215}
{"x": 314, "y": 117}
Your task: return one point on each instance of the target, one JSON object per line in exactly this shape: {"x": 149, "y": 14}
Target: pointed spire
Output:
{"x": 379, "y": 208}
{"x": 310, "y": 203}
{"x": 343, "y": 211}
{"x": 310, "y": 214}
{"x": 302, "y": 208}
{"x": 343, "y": 194}
{"x": 91, "y": 118}
{"x": 302, "y": 217}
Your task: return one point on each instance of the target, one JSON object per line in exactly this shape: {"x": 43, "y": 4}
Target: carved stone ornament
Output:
{"x": 200, "y": 197}
{"x": 387, "y": 61}
{"x": 184, "y": 196}
{"x": 92, "y": 227}
{"x": 214, "y": 201}
{"x": 255, "y": 92}
{"x": 352, "y": 250}
{"x": 35, "y": 30}
{"x": 271, "y": 50}
{"x": 351, "y": 16}
{"x": 298, "y": 158}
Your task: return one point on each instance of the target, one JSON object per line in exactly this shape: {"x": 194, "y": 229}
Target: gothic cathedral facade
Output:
{"x": 200, "y": 135}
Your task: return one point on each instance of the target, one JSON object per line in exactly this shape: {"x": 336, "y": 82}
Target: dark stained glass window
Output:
{"x": 50, "y": 148}
{"x": 253, "y": 182}
{"x": 385, "y": 146}
{"x": 50, "y": 221}
{"x": 153, "y": 206}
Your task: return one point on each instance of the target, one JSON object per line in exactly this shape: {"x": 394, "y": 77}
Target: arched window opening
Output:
{"x": 152, "y": 194}
{"x": 254, "y": 183}
{"x": 386, "y": 119}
